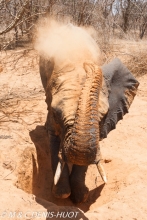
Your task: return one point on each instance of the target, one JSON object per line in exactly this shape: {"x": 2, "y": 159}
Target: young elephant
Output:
{"x": 85, "y": 102}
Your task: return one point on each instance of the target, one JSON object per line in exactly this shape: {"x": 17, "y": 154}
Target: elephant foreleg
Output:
{"x": 79, "y": 191}
{"x": 62, "y": 189}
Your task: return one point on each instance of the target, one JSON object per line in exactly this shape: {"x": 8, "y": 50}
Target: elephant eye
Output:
{"x": 55, "y": 115}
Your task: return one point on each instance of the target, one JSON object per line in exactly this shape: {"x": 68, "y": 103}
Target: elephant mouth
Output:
{"x": 61, "y": 165}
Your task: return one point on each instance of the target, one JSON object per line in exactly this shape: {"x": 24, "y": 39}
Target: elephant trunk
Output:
{"x": 83, "y": 146}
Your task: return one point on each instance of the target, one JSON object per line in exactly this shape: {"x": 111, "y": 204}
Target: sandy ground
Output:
{"x": 25, "y": 172}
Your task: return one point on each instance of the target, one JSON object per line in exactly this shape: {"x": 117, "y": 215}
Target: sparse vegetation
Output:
{"x": 121, "y": 27}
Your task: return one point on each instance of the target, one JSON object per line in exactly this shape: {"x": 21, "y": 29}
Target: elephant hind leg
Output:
{"x": 62, "y": 189}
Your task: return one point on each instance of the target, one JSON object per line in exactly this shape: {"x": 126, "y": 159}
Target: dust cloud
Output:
{"x": 65, "y": 42}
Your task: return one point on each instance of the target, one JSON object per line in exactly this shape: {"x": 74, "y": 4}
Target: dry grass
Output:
{"x": 137, "y": 64}
{"x": 132, "y": 53}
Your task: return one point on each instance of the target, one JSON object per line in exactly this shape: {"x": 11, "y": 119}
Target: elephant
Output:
{"x": 84, "y": 104}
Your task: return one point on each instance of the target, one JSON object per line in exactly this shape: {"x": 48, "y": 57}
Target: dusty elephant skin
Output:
{"x": 85, "y": 102}
{"x": 74, "y": 96}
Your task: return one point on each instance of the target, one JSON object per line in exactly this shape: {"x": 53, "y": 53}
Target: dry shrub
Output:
{"x": 132, "y": 53}
{"x": 137, "y": 63}
{"x": 20, "y": 61}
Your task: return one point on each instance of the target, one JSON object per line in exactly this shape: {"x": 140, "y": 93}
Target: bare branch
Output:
{"x": 17, "y": 18}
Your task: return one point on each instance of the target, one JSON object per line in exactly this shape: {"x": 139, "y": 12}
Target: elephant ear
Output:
{"x": 46, "y": 67}
{"x": 122, "y": 88}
